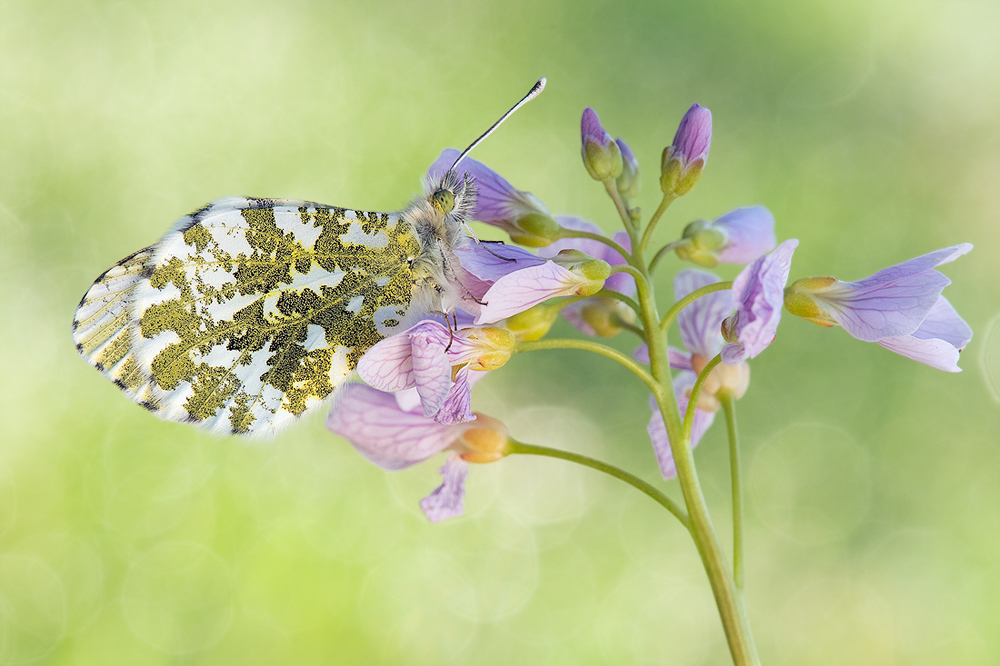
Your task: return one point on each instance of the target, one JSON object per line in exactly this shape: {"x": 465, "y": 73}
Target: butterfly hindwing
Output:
{"x": 104, "y": 327}
{"x": 250, "y": 312}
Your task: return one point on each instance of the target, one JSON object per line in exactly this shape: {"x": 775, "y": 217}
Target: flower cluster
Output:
{"x": 417, "y": 402}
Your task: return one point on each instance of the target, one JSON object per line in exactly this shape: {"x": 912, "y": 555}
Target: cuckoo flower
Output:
{"x": 394, "y": 435}
{"x": 900, "y": 307}
{"x": 521, "y": 214}
{"x": 758, "y": 292}
{"x": 684, "y": 159}
{"x": 569, "y": 273}
{"x": 699, "y": 325}
{"x": 601, "y": 155}
{"x": 436, "y": 362}
{"x": 599, "y": 315}
{"x": 738, "y": 237}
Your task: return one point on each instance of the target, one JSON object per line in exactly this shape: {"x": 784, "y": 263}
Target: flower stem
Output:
{"x": 664, "y": 203}
{"x": 729, "y": 405}
{"x": 672, "y": 313}
{"x": 570, "y": 343}
{"x": 662, "y": 252}
{"x": 575, "y": 233}
{"x": 612, "y": 189}
{"x": 513, "y": 446}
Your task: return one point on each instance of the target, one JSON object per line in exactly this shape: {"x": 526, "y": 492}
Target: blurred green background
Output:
{"x": 870, "y": 129}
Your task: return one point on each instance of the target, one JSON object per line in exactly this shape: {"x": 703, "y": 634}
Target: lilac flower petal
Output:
{"x": 390, "y": 437}
{"x": 937, "y": 342}
{"x": 388, "y": 366}
{"x": 497, "y": 200}
{"x": 694, "y": 135}
{"x": 484, "y": 263}
{"x": 894, "y": 301}
{"x": 680, "y": 360}
{"x": 518, "y": 291}
{"x": 641, "y": 353}
{"x": 658, "y": 431}
{"x": 447, "y": 500}
{"x": 432, "y": 372}
{"x": 457, "y": 405}
{"x": 592, "y": 130}
{"x": 700, "y": 323}
{"x": 758, "y": 292}
{"x": 944, "y": 323}
{"x": 751, "y": 234}
{"x": 935, "y": 353}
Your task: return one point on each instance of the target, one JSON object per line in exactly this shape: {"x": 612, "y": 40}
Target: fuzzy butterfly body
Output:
{"x": 251, "y": 312}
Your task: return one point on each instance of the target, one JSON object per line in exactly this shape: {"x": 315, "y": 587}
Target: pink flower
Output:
{"x": 758, "y": 293}
{"x": 395, "y": 437}
{"x": 436, "y": 362}
{"x": 900, "y": 307}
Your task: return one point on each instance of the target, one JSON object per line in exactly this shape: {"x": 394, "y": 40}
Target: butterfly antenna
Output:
{"x": 535, "y": 91}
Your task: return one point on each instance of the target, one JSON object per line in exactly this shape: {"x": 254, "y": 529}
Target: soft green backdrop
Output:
{"x": 870, "y": 129}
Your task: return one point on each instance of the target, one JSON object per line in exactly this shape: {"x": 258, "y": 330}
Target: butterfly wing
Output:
{"x": 104, "y": 327}
{"x": 251, "y": 312}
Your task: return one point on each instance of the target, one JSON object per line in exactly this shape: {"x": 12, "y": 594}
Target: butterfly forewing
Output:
{"x": 250, "y": 312}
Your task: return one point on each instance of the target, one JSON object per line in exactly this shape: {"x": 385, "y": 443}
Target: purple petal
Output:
{"x": 658, "y": 431}
{"x": 380, "y": 430}
{"x": 497, "y": 199}
{"x": 937, "y": 342}
{"x": 700, "y": 323}
{"x": 628, "y": 157}
{"x": 388, "y": 366}
{"x": 432, "y": 372}
{"x": 457, "y": 407}
{"x": 694, "y": 135}
{"x": 751, "y": 234}
{"x": 518, "y": 291}
{"x": 641, "y": 353}
{"x": 894, "y": 301}
{"x": 484, "y": 263}
{"x": 679, "y": 360}
{"x": 944, "y": 323}
{"x": 758, "y": 292}
{"x": 591, "y": 129}
{"x": 446, "y": 500}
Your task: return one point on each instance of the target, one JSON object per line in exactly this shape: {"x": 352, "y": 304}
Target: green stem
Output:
{"x": 514, "y": 446}
{"x": 612, "y": 189}
{"x": 662, "y": 252}
{"x": 664, "y": 203}
{"x": 631, "y": 270}
{"x": 575, "y": 233}
{"x": 618, "y": 296}
{"x": 587, "y": 345}
{"x": 672, "y": 313}
{"x": 729, "y": 405}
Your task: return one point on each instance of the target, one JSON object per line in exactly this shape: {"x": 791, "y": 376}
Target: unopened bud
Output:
{"x": 533, "y": 323}
{"x": 534, "y": 230}
{"x": 601, "y": 155}
{"x": 606, "y": 315}
{"x": 485, "y": 441}
{"x": 684, "y": 160}
{"x": 494, "y": 346}
{"x": 629, "y": 181}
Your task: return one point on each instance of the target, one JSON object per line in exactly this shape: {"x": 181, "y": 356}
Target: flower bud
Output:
{"x": 732, "y": 380}
{"x": 701, "y": 243}
{"x": 606, "y": 315}
{"x": 799, "y": 299}
{"x": 601, "y": 155}
{"x": 483, "y": 441}
{"x": 533, "y": 230}
{"x": 491, "y": 348}
{"x": 684, "y": 160}
{"x": 591, "y": 273}
{"x": 629, "y": 181}
{"x": 533, "y": 323}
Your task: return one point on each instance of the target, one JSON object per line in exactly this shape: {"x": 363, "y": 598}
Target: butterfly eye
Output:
{"x": 443, "y": 200}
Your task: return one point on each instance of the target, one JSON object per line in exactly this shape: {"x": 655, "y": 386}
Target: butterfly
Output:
{"x": 249, "y": 312}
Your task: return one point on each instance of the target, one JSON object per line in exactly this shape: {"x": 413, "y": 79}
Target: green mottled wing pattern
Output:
{"x": 250, "y": 312}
